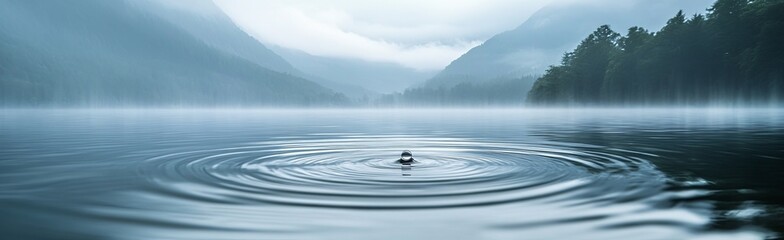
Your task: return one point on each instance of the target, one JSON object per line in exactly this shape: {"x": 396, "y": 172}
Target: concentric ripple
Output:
{"x": 505, "y": 174}
{"x": 360, "y": 172}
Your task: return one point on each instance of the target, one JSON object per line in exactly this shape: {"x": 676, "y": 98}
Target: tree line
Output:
{"x": 734, "y": 54}
{"x": 496, "y": 92}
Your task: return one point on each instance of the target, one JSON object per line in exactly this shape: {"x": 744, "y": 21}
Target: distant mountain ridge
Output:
{"x": 378, "y": 77}
{"x": 110, "y": 53}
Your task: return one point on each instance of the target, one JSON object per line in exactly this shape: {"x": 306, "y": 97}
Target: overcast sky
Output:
{"x": 420, "y": 34}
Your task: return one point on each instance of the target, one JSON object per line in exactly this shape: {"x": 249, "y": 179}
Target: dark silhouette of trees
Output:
{"x": 497, "y": 92}
{"x": 732, "y": 55}
{"x": 580, "y": 77}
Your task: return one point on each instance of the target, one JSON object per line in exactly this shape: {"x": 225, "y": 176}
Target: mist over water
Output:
{"x": 331, "y": 174}
{"x": 495, "y": 157}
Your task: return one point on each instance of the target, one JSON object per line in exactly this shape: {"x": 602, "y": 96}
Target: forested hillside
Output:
{"x": 731, "y": 55}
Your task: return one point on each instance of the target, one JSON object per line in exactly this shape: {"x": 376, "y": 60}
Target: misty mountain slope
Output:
{"x": 374, "y": 76}
{"x": 542, "y": 40}
{"x": 207, "y": 22}
{"x": 93, "y": 53}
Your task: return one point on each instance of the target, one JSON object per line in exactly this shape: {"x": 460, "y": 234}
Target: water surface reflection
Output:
{"x": 330, "y": 174}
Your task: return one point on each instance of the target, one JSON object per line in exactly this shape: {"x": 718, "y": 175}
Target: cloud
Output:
{"x": 423, "y": 35}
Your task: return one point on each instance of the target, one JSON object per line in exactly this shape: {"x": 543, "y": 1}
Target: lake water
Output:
{"x": 331, "y": 174}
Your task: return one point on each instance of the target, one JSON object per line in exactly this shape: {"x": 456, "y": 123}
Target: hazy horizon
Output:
{"x": 409, "y": 119}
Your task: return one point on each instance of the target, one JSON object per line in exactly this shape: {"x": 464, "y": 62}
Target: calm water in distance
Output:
{"x": 331, "y": 174}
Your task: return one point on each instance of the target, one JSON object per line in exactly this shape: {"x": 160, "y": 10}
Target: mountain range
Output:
{"x": 190, "y": 53}
{"x": 140, "y": 53}
{"x": 371, "y": 78}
